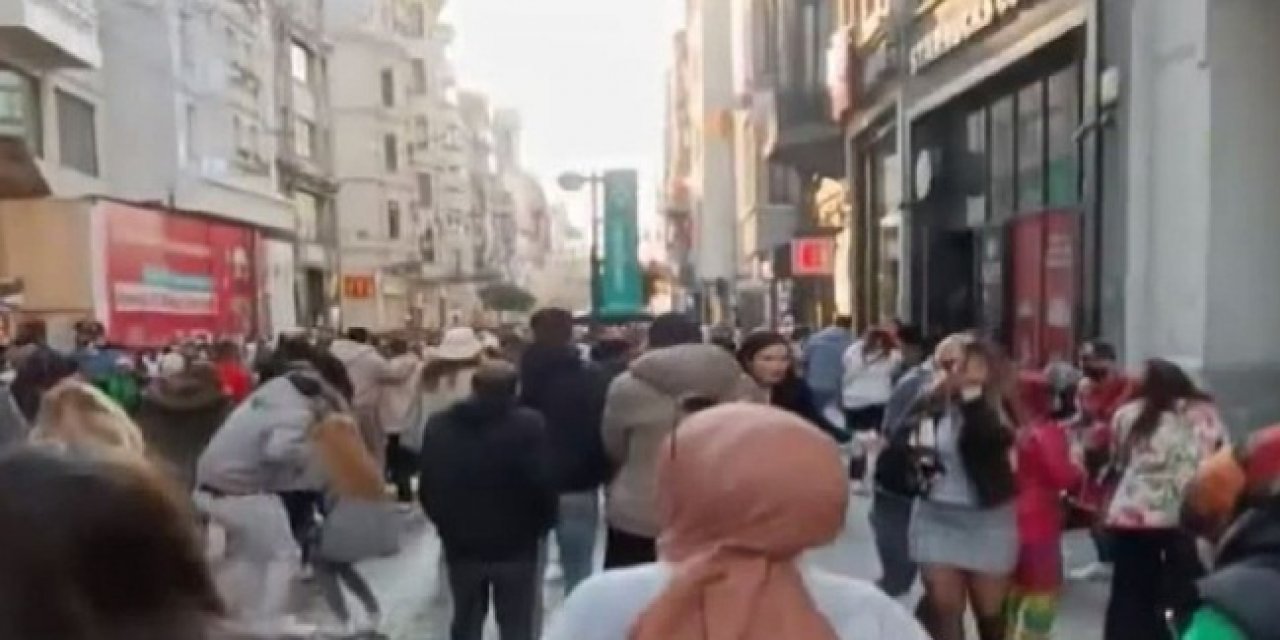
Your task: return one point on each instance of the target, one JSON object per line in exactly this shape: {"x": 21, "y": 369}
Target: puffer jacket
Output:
{"x": 642, "y": 407}
{"x": 264, "y": 445}
{"x": 179, "y": 415}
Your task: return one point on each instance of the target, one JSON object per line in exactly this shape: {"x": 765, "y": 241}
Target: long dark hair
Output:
{"x": 1164, "y": 385}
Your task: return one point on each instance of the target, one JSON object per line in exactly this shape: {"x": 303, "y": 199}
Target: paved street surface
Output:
{"x": 405, "y": 583}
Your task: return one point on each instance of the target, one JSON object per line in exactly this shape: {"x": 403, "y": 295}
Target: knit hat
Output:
{"x": 1231, "y": 479}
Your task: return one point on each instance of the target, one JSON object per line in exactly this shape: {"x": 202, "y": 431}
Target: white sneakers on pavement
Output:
{"x": 1093, "y": 572}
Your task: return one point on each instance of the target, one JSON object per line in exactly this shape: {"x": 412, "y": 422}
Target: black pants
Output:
{"x": 891, "y": 522}
{"x": 302, "y": 508}
{"x": 514, "y": 588}
{"x": 624, "y": 550}
{"x": 400, "y": 465}
{"x": 1155, "y": 573}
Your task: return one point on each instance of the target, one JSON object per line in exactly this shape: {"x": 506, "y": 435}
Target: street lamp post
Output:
{"x": 574, "y": 182}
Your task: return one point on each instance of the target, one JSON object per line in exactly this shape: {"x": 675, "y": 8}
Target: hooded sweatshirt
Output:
{"x": 642, "y": 407}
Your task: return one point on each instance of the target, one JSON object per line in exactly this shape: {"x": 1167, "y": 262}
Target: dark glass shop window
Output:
{"x": 1003, "y": 196}
{"x": 1063, "y": 115}
{"x": 1031, "y": 147}
{"x": 974, "y": 172}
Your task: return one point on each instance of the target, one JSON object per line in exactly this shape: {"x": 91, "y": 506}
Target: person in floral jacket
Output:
{"x": 1159, "y": 439}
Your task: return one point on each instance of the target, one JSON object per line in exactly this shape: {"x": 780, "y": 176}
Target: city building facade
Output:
{"x": 51, "y": 98}
{"x": 374, "y": 66}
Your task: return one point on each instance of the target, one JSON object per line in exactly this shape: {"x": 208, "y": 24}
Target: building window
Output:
{"x": 418, "y": 81}
{"x": 1062, "y": 115}
{"x": 77, "y": 134}
{"x": 429, "y": 244}
{"x": 783, "y": 187}
{"x": 975, "y": 161}
{"x": 304, "y": 138}
{"x": 426, "y": 189}
{"x": 307, "y": 206}
{"x": 300, "y": 62}
{"x": 393, "y": 220}
{"x": 20, "y": 108}
{"x": 1031, "y": 147}
{"x": 388, "y": 88}
{"x": 422, "y": 131}
{"x": 192, "y": 150}
{"x": 390, "y": 153}
{"x": 1003, "y": 194}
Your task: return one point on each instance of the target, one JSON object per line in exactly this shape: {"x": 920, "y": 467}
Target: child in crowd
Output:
{"x": 1044, "y": 471}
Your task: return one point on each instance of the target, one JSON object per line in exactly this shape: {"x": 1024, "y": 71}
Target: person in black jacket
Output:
{"x": 485, "y": 486}
{"x": 570, "y": 395}
{"x": 767, "y": 357}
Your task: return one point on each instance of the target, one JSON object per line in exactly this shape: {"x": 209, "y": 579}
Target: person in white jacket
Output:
{"x": 400, "y": 404}
{"x": 869, "y": 366}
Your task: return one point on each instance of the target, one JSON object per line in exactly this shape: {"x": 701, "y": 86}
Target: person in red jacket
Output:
{"x": 236, "y": 381}
{"x": 1044, "y": 471}
{"x": 1104, "y": 389}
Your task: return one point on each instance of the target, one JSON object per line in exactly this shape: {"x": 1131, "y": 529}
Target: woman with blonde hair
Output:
{"x": 78, "y": 416}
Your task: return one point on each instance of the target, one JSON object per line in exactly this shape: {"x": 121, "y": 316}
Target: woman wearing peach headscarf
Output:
{"x": 743, "y": 491}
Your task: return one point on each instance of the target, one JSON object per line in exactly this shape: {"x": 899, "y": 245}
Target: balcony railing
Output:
{"x": 53, "y": 33}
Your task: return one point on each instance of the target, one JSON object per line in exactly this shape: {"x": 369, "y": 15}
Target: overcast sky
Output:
{"x": 586, "y": 76}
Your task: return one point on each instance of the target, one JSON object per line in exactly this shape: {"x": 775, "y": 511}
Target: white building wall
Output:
{"x": 1203, "y": 198}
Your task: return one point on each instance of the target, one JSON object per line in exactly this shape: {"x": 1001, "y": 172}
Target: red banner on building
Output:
{"x": 167, "y": 276}
{"x": 1046, "y": 270}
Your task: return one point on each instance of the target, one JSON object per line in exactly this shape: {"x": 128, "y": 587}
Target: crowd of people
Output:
{"x": 175, "y": 494}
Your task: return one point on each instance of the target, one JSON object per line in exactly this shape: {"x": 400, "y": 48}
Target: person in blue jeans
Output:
{"x": 570, "y": 395}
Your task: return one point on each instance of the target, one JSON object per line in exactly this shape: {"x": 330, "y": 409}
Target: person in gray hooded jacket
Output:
{"x": 262, "y": 449}
{"x": 643, "y": 406}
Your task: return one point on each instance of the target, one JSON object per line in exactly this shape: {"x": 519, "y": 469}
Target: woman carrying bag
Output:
{"x": 359, "y": 523}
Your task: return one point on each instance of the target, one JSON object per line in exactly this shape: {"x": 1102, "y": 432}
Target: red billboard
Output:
{"x": 167, "y": 276}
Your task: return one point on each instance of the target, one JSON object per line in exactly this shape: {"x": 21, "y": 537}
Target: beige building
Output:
{"x": 377, "y": 74}
{"x": 51, "y": 98}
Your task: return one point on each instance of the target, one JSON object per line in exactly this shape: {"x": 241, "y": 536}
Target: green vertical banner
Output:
{"x": 621, "y": 283}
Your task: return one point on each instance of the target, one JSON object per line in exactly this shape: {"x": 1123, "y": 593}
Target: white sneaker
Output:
{"x": 287, "y": 627}
{"x": 335, "y": 630}
{"x": 1094, "y": 572}
{"x": 554, "y": 573}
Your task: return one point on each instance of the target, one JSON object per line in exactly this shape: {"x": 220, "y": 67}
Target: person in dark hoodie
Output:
{"x": 643, "y": 406}
{"x": 570, "y": 396}
{"x": 1234, "y": 500}
{"x": 178, "y": 416}
{"x": 485, "y": 485}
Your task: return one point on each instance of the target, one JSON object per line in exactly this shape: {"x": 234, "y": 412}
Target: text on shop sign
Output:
{"x": 957, "y": 27}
